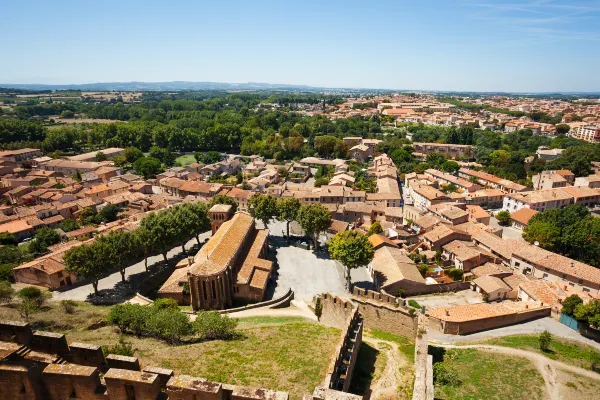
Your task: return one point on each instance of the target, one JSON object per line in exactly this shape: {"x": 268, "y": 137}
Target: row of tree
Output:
{"x": 158, "y": 233}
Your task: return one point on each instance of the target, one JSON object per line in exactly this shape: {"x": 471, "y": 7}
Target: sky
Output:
{"x": 469, "y": 45}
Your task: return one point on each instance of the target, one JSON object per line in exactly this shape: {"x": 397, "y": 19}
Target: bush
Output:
{"x": 422, "y": 269}
{"x": 169, "y": 325}
{"x": 444, "y": 375}
{"x": 122, "y": 348}
{"x": 455, "y": 273}
{"x": 6, "y": 292}
{"x": 545, "y": 339}
{"x": 503, "y": 218}
{"x": 318, "y": 308}
{"x": 35, "y": 295}
{"x": 128, "y": 318}
{"x": 414, "y": 304}
{"x": 6, "y": 272}
{"x": 211, "y": 325}
{"x": 161, "y": 304}
{"x": 69, "y": 306}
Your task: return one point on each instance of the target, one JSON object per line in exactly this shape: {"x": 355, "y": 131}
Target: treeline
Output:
{"x": 571, "y": 231}
{"x": 158, "y": 233}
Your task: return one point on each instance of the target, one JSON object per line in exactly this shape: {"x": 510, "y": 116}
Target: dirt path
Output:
{"x": 545, "y": 366}
{"x": 386, "y": 386}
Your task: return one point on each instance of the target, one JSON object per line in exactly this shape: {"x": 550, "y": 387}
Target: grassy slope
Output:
{"x": 491, "y": 376}
{"x": 567, "y": 351}
{"x": 290, "y": 354}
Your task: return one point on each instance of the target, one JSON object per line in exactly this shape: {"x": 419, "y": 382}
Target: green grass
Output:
{"x": 406, "y": 346}
{"x": 567, "y": 351}
{"x": 280, "y": 353}
{"x": 185, "y": 160}
{"x": 490, "y": 376}
{"x": 414, "y": 304}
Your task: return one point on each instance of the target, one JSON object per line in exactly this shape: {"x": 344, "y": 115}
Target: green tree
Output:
{"x": 86, "y": 262}
{"x": 87, "y": 216}
{"x": 318, "y": 308}
{"x": 148, "y": 167}
{"x": 107, "y": 214}
{"x": 503, "y": 218}
{"x": 375, "y": 228}
{"x": 6, "y": 292}
{"x": 169, "y": 325}
{"x": 545, "y": 233}
{"x": 422, "y": 268}
{"x": 455, "y": 273}
{"x": 450, "y": 167}
{"x": 545, "y": 339}
{"x": 68, "y": 225}
{"x": 44, "y": 238}
{"x": 588, "y": 313}
{"x": 287, "y": 210}
{"x": 352, "y": 249}
{"x": 570, "y": 303}
{"x": 265, "y": 207}
{"x": 314, "y": 219}
{"x": 210, "y": 157}
{"x": 562, "y": 129}
{"x": 7, "y": 238}
{"x": 222, "y": 199}
{"x": 132, "y": 154}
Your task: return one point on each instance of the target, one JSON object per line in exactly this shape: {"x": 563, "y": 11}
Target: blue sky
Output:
{"x": 481, "y": 45}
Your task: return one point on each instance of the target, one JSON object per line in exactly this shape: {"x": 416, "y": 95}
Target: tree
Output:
{"x": 318, "y": 308}
{"x": 107, "y": 214}
{"x": 314, "y": 219}
{"x": 503, "y": 217}
{"x": 287, "y": 210}
{"x": 86, "y": 216}
{"x": 86, "y": 262}
{"x": 589, "y": 313}
{"x": 352, "y": 249}
{"x": 120, "y": 247}
{"x": 450, "y": 188}
{"x": 100, "y": 156}
{"x": 6, "y": 292}
{"x": 265, "y": 207}
{"x": 422, "y": 268}
{"x": 169, "y": 325}
{"x": 222, "y": 199}
{"x": 570, "y": 303}
{"x": 450, "y": 167}
{"x": 375, "y": 228}
{"x": 148, "y": 167}
{"x": 546, "y": 234}
{"x": 44, "y": 238}
{"x": 7, "y": 238}
{"x": 35, "y": 295}
{"x": 68, "y": 225}
{"x": 455, "y": 273}
{"x": 210, "y": 157}
{"x": 132, "y": 154}
{"x": 562, "y": 129}
{"x": 545, "y": 338}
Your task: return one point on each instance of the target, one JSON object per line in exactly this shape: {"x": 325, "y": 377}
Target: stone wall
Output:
{"x": 423, "y": 384}
{"x": 483, "y": 324}
{"x": 340, "y": 371}
{"x": 387, "y": 313}
{"x": 336, "y": 311}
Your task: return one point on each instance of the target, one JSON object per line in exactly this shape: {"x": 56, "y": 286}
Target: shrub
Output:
{"x": 210, "y": 325}
{"x": 170, "y": 325}
{"x": 129, "y": 318}
{"x": 161, "y": 304}
{"x": 455, "y": 273}
{"x": 414, "y": 304}
{"x": 122, "y": 348}
{"x": 318, "y": 308}
{"x": 444, "y": 375}
{"x": 35, "y": 295}
{"x": 570, "y": 303}
{"x": 401, "y": 293}
{"x": 422, "y": 269}
{"x": 6, "y": 292}
{"x": 69, "y": 306}
{"x": 545, "y": 339}
{"x": 6, "y": 272}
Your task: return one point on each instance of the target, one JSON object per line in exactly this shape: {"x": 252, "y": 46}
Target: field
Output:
{"x": 490, "y": 376}
{"x": 567, "y": 351}
{"x": 289, "y": 354}
{"x": 185, "y": 160}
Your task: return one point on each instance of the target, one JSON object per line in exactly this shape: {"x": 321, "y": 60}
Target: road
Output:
{"x": 111, "y": 287}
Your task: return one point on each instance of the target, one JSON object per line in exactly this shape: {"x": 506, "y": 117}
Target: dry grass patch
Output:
{"x": 288, "y": 354}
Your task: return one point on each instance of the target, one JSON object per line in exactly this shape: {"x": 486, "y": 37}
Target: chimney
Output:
{"x": 447, "y": 313}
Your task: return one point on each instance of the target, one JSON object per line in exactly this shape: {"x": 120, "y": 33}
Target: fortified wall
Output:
{"x": 385, "y": 312}
{"x": 344, "y": 315}
{"x": 43, "y": 366}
